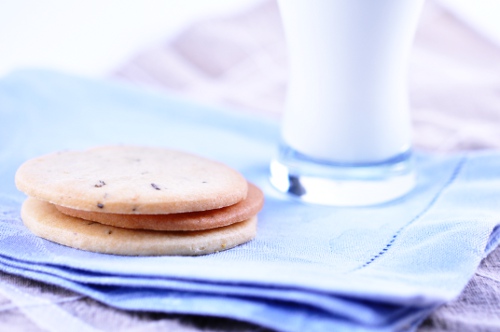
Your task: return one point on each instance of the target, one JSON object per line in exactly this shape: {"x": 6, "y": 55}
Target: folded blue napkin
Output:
{"x": 310, "y": 268}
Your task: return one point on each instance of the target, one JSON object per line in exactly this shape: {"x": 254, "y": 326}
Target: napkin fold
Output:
{"x": 311, "y": 268}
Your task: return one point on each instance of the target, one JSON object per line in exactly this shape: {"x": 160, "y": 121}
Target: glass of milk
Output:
{"x": 346, "y": 133}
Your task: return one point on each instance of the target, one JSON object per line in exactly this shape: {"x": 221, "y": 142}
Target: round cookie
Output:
{"x": 189, "y": 221}
{"x": 45, "y": 221}
{"x": 131, "y": 180}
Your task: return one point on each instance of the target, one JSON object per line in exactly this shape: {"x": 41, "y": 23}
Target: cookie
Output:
{"x": 131, "y": 180}
{"x": 45, "y": 221}
{"x": 190, "y": 221}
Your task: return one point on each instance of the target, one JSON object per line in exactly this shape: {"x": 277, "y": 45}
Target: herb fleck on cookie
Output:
{"x": 155, "y": 186}
{"x": 100, "y": 184}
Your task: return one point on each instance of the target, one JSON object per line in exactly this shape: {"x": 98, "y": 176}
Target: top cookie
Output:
{"x": 131, "y": 180}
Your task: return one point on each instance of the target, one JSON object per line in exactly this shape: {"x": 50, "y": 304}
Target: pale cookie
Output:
{"x": 190, "y": 221}
{"x": 131, "y": 180}
{"x": 45, "y": 221}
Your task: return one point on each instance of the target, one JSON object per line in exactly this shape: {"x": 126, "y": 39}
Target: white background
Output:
{"x": 91, "y": 37}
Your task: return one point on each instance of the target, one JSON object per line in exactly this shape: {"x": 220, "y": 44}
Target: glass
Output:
{"x": 346, "y": 132}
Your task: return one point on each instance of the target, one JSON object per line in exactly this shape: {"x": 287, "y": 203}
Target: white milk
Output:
{"x": 347, "y": 98}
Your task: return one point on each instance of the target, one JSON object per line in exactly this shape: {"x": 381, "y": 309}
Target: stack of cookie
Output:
{"x": 130, "y": 200}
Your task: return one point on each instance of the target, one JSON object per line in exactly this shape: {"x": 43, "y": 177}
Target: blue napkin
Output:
{"x": 311, "y": 268}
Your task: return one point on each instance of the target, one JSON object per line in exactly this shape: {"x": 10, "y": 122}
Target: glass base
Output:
{"x": 320, "y": 182}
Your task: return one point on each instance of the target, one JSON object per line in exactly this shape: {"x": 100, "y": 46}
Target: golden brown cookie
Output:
{"x": 131, "y": 180}
{"x": 45, "y": 221}
{"x": 190, "y": 221}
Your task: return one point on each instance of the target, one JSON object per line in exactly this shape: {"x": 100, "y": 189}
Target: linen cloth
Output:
{"x": 311, "y": 268}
